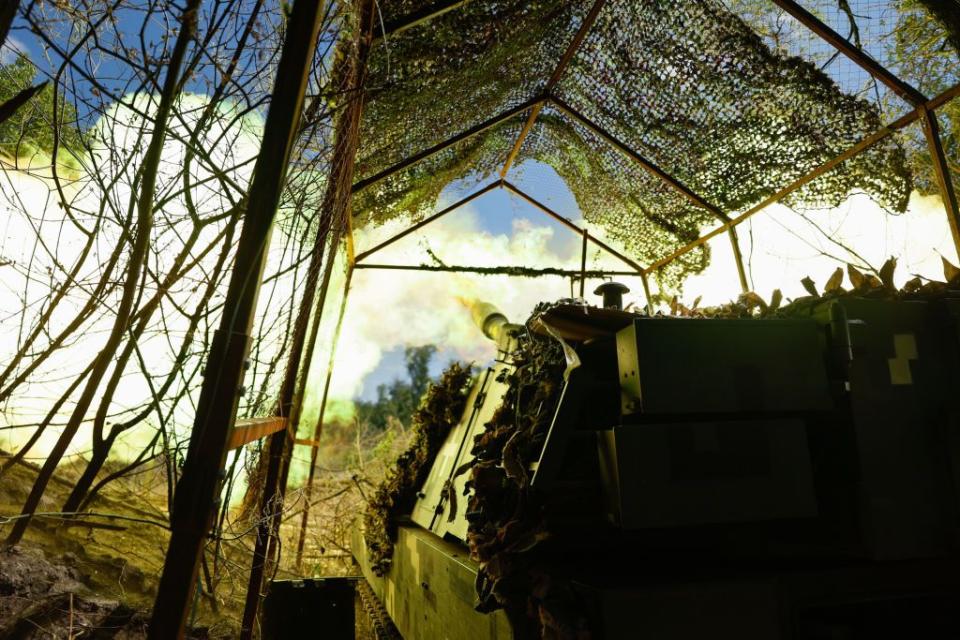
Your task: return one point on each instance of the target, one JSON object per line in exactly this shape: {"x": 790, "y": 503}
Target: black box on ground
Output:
{"x": 311, "y": 608}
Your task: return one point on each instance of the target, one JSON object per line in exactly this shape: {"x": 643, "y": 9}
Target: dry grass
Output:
{"x": 113, "y": 557}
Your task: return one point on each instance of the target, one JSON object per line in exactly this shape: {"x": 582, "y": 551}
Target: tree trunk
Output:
{"x": 948, "y": 13}
{"x": 97, "y": 458}
{"x": 141, "y": 243}
{"x": 8, "y": 9}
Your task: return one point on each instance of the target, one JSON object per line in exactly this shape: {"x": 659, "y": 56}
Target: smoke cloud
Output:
{"x": 781, "y": 247}
{"x": 391, "y": 309}
{"x": 387, "y": 309}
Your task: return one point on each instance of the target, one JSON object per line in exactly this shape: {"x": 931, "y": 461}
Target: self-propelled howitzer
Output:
{"x": 755, "y": 478}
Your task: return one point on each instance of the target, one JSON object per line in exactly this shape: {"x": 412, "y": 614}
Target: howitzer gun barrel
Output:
{"x": 489, "y": 319}
{"x": 493, "y": 323}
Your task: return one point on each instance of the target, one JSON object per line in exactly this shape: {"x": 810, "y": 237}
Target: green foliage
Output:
{"x": 946, "y": 13}
{"x": 32, "y": 128}
{"x": 400, "y": 398}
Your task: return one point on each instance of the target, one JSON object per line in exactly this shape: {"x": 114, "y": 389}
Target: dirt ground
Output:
{"x": 96, "y": 577}
{"x": 40, "y": 598}
{"x": 93, "y": 577}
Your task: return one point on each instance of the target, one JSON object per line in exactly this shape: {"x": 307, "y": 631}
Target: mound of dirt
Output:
{"x": 45, "y": 598}
{"x": 40, "y": 598}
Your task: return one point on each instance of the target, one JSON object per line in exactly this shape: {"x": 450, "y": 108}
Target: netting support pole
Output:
{"x": 903, "y": 89}
{"x": 446, "y": 144}
{"x": 8, "y": 11}
{"x": 565, "y": 222}
{"x": 931, "y": 128}
{"x": 518, "y": 272}
{"x": 279, "y": 446}
{"x": 583, "y": 263}
{"x": 632, "y": 154}
{"x": 334, "y": 215}
{"x": 552, "y": 81}
{"x": 419, "y": 225}
{"x": 855, "y": 54}
{"x": 738, "y": 259}
{"x": 318, "y": 427}
{"x": 664, "y": 177}
{"x": 898, "y": 124}
{"x": 197, "y": 493}
{"x": 646, "y": 292}
{"x": 321, "y": 304}
{"x": 659, "y": 173}
{"x": 416, "y": 18}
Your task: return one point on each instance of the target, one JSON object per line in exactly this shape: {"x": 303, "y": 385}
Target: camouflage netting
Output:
{"x": 508, "y": 524}
{"x": 687, "y": 84}
{"x": 439, "y": 410}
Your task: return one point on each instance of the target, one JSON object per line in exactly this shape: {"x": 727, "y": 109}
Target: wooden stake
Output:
{"x": 197, "y": 493}
{"x": 336, "y": 213}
